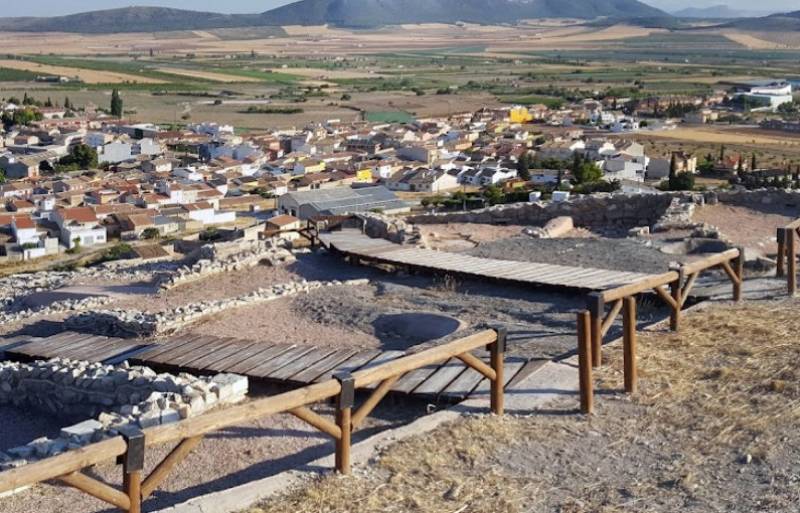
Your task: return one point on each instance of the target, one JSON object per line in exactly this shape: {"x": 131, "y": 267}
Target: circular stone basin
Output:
{"x": 403, "y": 330}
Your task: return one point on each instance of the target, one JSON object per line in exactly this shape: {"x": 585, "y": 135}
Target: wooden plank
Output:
{"x": 51, "y": 343}
{"x": 243, "y": 354}
{"x": 207, "y": 346}
{"x": 414, "y": 378}
{"x": 162, "y": 348}
{"x": 440, "y": 379}
{"x": 169, "y": 357}
{"x": 117, "y": 352}
{"x": 312, "y": 372}
{"x": 463, "y": 386}
{"x": 81, "y": 349}
{"x": 274, "y": 364}
{"x": 301, "y": 363}
{"x": 266, "y": 354}
{"x": 356, "y": 362}
{"x": 69, "y": 347}
{"x": 224, "y": 348}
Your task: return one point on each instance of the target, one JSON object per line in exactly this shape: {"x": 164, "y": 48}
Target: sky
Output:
{"x": 59, "y": 7}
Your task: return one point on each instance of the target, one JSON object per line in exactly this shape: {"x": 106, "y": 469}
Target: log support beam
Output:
{"x": 585, "y": 361}
{"x": 629, "y": 344}
{"x": 160, "y": 473}
{"x": 344, "y": 409}
{"x": 596, "y": 306}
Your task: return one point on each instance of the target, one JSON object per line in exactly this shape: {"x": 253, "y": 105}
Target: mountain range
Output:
{"x": 347, "y": 13}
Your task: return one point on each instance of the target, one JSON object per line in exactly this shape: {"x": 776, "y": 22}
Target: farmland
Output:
{"x": 321, "y": 73}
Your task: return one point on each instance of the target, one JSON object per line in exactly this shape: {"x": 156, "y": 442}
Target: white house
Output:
{"x": 422, "y": 180}
{"x": 79, "y": 226}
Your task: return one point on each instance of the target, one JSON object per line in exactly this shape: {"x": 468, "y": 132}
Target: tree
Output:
{"x": 21, "y": 117}
{"x": 116, "y": 104}
{"x": 150, "y": 234}
{"x": 81, "y": 157}
{"x": 524, "y": 166}
{"x": 587, "y": 172}
{"x": 493, "y": 195}
{"x": 722, "y": 153}
{"x": 753, "y": 163}
{"x": 67, "y": 103}
{"x": 673, "y": 171}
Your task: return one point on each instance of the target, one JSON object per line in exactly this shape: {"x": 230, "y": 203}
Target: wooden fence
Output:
{"x": 787, "y": 255}
{"x": 130, "y": 447}
{"x": 672, "y": 287}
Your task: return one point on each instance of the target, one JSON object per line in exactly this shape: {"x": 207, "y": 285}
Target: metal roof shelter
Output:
{"x": 341, "y": 200}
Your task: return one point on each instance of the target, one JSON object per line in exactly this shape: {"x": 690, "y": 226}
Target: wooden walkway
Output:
{"x": 354, "y": 243}
{"x": 284, "y": 364}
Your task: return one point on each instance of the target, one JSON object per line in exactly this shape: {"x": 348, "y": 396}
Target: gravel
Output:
{"x": 614, "y": 254}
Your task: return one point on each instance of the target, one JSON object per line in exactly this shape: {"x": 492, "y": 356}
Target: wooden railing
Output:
{"x": 787, "y": 255}
{"x": 672, "y": 287}
{"x": 132, "y": 444}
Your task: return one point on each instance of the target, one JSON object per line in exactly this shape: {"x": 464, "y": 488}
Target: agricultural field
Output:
{"x": 322, "y": 73}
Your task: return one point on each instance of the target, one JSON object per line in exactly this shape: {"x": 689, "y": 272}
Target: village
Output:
{"x": 79, "y": 178}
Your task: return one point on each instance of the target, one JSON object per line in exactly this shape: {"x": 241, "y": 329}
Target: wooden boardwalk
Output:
{"x": 354, "y": 243}
{"x": 284, "y": 364}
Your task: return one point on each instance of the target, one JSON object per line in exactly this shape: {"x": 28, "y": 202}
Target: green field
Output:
{"x": 388, "y": 117}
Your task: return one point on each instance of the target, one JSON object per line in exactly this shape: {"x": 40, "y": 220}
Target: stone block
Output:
{"x": 228, "y": 386}
{"x": 82, "y": 430}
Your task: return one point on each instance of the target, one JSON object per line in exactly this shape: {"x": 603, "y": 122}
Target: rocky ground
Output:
{"x": 615, "y": 254}
{"x": 713, "y": 428}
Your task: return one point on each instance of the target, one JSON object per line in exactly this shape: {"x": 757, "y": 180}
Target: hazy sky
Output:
{"x": 56, "y": 7}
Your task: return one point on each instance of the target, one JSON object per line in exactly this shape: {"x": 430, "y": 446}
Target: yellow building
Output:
{"x": 364, "y": 176}
{"x": 520, "y": 114}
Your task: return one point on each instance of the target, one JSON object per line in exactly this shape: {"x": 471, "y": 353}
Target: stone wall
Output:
{"x": 134, "y": 324}
{"x": 226, "y": 257}
{"x": 113, "y": 397}
{"x": 623, "y": 211}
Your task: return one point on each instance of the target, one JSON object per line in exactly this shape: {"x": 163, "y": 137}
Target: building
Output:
{"x": 340, "y": 201}
{"x": 764, "y": 94}
{"x": 422, "y": 180}
{"x": 79, "y": 227}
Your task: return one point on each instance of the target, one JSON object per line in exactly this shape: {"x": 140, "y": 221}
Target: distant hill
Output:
{"x": 367, "y": 13}
{"x": 349, "y": 13}
{"x": 130, "y": 19}
{"x": 784, "y": 22}
{"x": 713, "y": 12}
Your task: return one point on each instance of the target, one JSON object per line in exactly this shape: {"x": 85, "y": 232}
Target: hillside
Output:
{"x": 131, "y": 19}
{"x": 350, "y": 13}
{"x": 784, "y": 22}
{"x": 384, "y": 12}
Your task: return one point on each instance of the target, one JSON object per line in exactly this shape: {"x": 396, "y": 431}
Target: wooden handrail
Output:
{"x": 711, "y": 261}
{"x": 639, "y": 286}
{"x": 294, "y": 401}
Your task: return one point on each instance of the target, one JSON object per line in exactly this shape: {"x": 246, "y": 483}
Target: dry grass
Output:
{"x": 207, "y": 75}
{"x": 713, "y": 428}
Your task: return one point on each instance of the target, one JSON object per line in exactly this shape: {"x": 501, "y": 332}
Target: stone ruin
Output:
{"x": 112, "y": 397}
{"x": 136, "y": 324}
{"x": 225, "y": 257}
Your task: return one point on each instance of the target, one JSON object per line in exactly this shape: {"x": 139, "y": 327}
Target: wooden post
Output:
{"x": 781, "y": 267}
{"x": 596, "y": 306}
{"x": 791, "y": 257}
{"x": 738, "y": 268}
{"x": 585, "y": 362}
{"x": 497, "y": 350}
{"x": 676, "y": 291}
{"x": 629, "y": 343}
{"x": 344, "y": 409}
{"x": 132, "y": 466}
